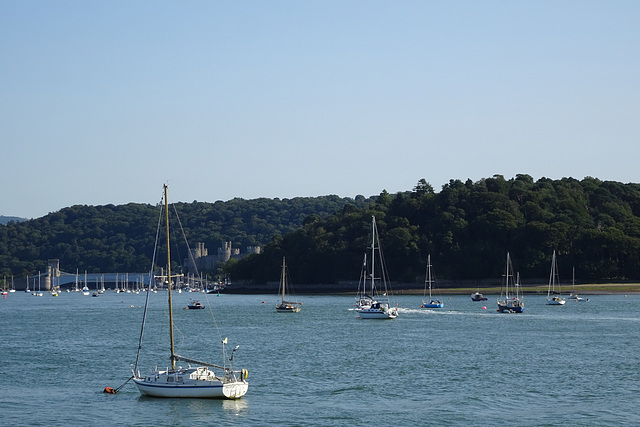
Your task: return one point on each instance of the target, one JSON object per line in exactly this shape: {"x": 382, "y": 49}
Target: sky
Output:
{"x": 103, "y": 102}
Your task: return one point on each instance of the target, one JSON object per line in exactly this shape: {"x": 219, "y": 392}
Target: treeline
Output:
{"x": 467, "y": 228}
{"x": 121, "y": 238}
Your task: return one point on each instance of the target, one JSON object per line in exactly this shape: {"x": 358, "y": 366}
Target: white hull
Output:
{"x": 182, "y": 384}
{"x": 556, "y": 301}
{"x": 376, "y": 313}
{"x": 213, "y": 391}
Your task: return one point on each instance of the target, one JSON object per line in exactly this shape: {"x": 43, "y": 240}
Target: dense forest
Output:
{"x": 467, "y": 228}
{"x": 121, "y": 238}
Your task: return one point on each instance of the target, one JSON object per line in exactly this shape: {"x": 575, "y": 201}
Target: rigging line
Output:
{"x": 184, "y": 235}
{"x": 146, "y": 302}
{"x": 213, "y": 317}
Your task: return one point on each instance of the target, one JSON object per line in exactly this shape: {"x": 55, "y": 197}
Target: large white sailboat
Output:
{"x": 553, "y": 294}
{"x": 510, "y": 300}
{"x": 205, "y": 381}
{"x": 376, "y": 304}
{"x": 286, "y": 306}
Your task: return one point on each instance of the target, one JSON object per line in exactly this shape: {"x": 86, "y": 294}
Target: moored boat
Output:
{"x": 510, "y": 302}
{"x": 428, "y": 283}
{"x": 195, "y": 305}
{"x": 205, "y": 381}
{"x": 573, "y": 295}
{"x": 377, "y": 305}
{"x": 477, "y": 296}
{"x": 554, "y": 297}
{"x": 285, "y": 306}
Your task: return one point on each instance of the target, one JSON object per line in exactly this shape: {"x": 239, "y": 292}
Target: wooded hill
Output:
{"x": 467, "y": 228}
{"x": 121, "y": 238}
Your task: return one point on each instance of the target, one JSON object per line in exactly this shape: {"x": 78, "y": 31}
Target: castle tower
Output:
{"x": 224, "y": 253}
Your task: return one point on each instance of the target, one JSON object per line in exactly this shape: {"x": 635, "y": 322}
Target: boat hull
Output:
{"x": 160, "y": 386}
{"x": 288, "y": 307}
{"x": 478, "y": 297}
{"x": 376, "y": 313}
{"x": 510, "y": 306}
{"x": 433, "y": 305}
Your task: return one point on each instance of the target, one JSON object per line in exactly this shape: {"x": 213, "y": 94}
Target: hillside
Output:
{"x": 121, "y": 238}
{"x": 7, "y": 219}
{"x": 467, "y": 228}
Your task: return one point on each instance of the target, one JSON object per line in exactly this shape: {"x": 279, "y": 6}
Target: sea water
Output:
{"x": 464, "y": 364}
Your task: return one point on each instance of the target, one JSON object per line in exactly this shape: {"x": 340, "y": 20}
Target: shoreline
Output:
{"x": 414, "y": 289}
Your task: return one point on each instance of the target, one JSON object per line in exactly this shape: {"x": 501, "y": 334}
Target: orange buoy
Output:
{"x": 109, "y": 390}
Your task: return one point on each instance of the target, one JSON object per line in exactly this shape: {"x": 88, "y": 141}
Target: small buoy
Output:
{"x": 109, "y": 390}
{"x": 132, "y": 306}
{"x": 484, "y": 307}
{"x": 264, "y": 302}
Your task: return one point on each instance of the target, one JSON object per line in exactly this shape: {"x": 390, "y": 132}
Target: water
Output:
{"x": 460, "y": 365}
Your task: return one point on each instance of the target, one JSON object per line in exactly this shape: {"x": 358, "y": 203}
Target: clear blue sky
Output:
{"x": 102, "y": 102}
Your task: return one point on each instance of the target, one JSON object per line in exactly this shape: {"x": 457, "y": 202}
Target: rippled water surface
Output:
{"x": 577, "y": 364}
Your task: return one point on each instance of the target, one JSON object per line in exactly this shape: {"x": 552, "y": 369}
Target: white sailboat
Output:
{"x": 428, "y": 283}
{"x": 378, "y": 304}
{"x": 286, "y": 306}
{"x": 510, "y": 302}
{"x": 38, "y": 293}
{"x": 191, "y": 382}
{"x": 85, "y": 288}
{"x": 363, "y": 300}
{"x": 573, "y": 295}
{"x": 553, "y": 295}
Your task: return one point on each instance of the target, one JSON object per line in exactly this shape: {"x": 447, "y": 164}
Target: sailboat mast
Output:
{"x": 429, "y": 274}
{"x": 282, "y": 280}
{"x": 166, "y": 218}
{"x": 373, "y": 254}
{"x": 506, "y": 282}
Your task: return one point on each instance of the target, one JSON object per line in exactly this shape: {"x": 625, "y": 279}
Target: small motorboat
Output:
{"x": 196, "y": 305}
{"x": 477, "y": 296}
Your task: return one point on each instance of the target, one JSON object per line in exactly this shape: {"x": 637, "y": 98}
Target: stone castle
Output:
{"x": 204, "y": 261}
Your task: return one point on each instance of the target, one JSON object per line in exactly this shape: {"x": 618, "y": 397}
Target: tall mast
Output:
{"x": 429, "y": 281}
{"x": 166, "y": 218}
{"x": 373, "y": 254}
{"x": 506, "y": 282}
{"x": 283, "y": 279}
